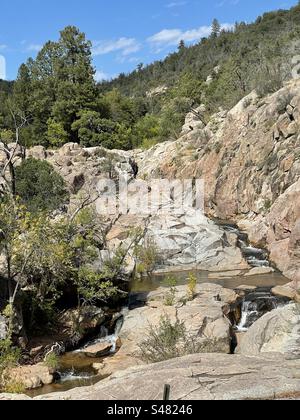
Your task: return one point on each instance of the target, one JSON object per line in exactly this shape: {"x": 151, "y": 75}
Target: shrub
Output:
{"x": 13, "y": 387}
{"x": 147, "y": 257}
{"x": 169, "y": 341}
{"x": 163, "y": 343}
{"x": 51, "y": 361}
{"x": 192, "y": 284}
{"x": 9, "y": 357}
{"x": 170, "y": 297}
{"x": 39, "y": 186}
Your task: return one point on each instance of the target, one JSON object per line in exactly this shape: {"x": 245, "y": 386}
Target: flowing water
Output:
{"x": 255, "y": 305}
{"x": 76, "y": 369}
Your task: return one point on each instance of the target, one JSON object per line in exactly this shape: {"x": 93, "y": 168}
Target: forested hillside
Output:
{"x": 59, "y": 101}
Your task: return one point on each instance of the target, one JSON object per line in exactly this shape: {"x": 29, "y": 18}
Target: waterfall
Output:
{"x": 105, "y": 337}
{"x": 255, "y": 257}
{"x": 257, "y": 304}
{"x": 243, "y": 325}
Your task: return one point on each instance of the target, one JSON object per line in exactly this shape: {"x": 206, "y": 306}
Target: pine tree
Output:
{"x": 215, "y": 28}
{"x": 75, "y": 83}
{"x": 181, "y": 45}
{"x": 22, "y": 89}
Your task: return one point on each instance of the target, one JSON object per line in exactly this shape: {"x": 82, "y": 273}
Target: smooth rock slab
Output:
{"x": 196, "y": 377}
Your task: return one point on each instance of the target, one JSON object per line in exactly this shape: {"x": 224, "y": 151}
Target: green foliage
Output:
{"x": 147, "y": 257}
{"x": 39, "y": 186}
{"x": 170, "y": 296}
{"x": 13, "y": 387}
{"x": 192, "y": 285}
{"x": 51, "y": 361}
{"x": 56, "y": 134}
{"x": 147, "y": 131}
{"x": 96, "y": 287}
{"x": 168, "y": 341}
{"x": 57, "y": 89}
{"x": 164, "y": 342}
{"x": 45, "y": 256}
{"x": 96, "y": 131}
{"x": 9, "y": 357}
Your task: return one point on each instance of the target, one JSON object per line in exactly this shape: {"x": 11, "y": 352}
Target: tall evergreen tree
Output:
{"x": 215, "y": 28}
{"x": 75, "y": 83}
{"x": 181, "y": 45}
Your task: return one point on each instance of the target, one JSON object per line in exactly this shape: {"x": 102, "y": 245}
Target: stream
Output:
{"x": 75, "y": 368}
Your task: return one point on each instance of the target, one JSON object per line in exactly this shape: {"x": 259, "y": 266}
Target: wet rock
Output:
{"x": 98, "y": 350}
{"x": 246, "y": 288}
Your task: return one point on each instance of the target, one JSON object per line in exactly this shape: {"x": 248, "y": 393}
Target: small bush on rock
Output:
{"x": 51, "y": 361}
{"x": 9, "y": 357}
{"x": 192, "y": 284}
{"x": 171, "y": 340}
{"x": 170, "y": 297}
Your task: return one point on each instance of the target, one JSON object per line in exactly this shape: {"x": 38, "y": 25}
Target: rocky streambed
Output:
{"x": 227, "y": 303}
{"x": 216, "y": 318}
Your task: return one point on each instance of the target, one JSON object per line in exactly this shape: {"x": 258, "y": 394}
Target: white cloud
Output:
{"x": 3, "y": 47}
{"x": 34, "y": 47}
{"x": 171, "y": 37}
{"x": 228, "y": 3}
{"x": 100, "y": 76}
{"x": 176, "y": 4}
{"x": 124, "y": 45}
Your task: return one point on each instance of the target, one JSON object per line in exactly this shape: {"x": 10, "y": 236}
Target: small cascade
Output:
{"x": 248, "y": 312}
{"x": 256, "y": 257}
{"x": 105, "y": 337}
{"x": 74, "y": 371}
{"x": 257, "y": 304}
{"x": 73, "y": 375}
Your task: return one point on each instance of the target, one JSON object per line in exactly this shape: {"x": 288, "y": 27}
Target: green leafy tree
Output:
{"x": 56, "y": 134}
{"x": 39, "y": 186}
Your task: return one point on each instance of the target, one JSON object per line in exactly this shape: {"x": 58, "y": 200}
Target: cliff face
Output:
{"x": 249, "y": 159}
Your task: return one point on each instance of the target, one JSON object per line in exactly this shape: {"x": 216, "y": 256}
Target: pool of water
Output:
{"x": 151, "y": 283}
{"x": 76, "y": 371}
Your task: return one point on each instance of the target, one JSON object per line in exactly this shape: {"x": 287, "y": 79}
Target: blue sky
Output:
{"x": 124, "y": 33}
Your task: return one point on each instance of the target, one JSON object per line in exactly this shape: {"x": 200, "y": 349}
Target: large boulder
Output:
{"x": 83, "y": 321}
{"x": 32, "y": 377}
{"x": 205, "y": 319}
{"x": 193, "y": 240}
{"x": 277, "y": 332}
{"x": 290, "y": 291}
{"x": 98, "y": 350}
